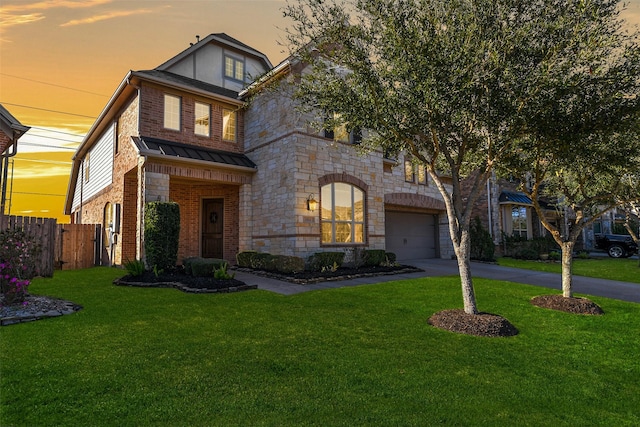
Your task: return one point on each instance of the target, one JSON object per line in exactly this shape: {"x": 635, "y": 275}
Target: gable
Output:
{"x": 206, "y": 61}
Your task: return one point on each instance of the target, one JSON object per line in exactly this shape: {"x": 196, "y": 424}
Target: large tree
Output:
{"x": 446, "y": 81}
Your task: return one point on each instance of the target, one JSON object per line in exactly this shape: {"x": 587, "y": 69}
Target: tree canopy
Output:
{"x": 459, "y": 84}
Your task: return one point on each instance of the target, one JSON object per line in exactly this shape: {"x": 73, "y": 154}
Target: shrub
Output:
{"x": 527, "y": 253}
{"x": 375, "y": 257}
{"x": 243, "y": 259}
{"x": 287, "y": 264}
{"x": 324, "y": 260}
{"x": 358, "y": 256}
{"x": 260, "y": 261}
{"x": 390, "y": 257}
{"x": 161, "y": 234}
{"x": 135, "y": 268}
{"x": 205, "y": 267}
{"x": 555, "y": 256}
{"x": 482, "y": 246}
{"x": 186, "y": 263}
{"x": 17, "y": 264}
{"x": 221, "y": 272}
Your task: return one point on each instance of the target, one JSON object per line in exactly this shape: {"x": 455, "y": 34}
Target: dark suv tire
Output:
{"x": 616, "y": 251}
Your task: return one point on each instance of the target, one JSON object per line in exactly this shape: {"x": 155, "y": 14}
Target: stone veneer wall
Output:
{"x": 292, "y": 159}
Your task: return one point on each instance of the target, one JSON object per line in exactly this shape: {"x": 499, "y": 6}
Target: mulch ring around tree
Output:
{"x": 570, "y": 305}
{"x": 186, "y": 283}
{"x": 481, "y": 324}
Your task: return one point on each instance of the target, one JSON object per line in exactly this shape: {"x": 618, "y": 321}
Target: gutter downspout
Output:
{"x": 4, "y": 170}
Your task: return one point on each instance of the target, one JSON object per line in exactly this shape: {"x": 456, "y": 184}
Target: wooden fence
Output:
{"x": 43, "y": 231}
{"x": 76, "y": 246}
{"x": 63, "y": 246}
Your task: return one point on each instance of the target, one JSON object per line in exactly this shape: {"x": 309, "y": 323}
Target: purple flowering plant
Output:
{"x": 17, "y": 265}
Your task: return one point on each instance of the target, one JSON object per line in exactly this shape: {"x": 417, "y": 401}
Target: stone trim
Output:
{"x": 413, "y": 200}
{"x": 343, "y": 177}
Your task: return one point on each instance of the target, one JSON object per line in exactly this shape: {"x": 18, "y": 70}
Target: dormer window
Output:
{"x": 233, "y": 68}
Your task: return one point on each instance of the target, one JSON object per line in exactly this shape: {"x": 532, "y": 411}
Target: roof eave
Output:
{"x": 153, "y": 154}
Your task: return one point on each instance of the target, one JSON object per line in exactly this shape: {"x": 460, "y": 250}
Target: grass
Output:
{"x": 343, "y": 357}
{"x": 624, "y": 270}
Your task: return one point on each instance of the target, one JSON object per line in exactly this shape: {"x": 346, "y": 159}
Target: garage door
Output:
{"x": 410, "y": 235}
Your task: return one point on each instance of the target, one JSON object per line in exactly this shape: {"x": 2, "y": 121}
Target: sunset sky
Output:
{"x": 61, "y": 60}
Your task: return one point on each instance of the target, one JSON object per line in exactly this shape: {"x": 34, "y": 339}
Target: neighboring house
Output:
{"x": 10, "y": 131}
{"x": 247, "y": 175}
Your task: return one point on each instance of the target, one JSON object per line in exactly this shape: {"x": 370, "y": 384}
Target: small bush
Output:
{"x": 260, "y": 261}
{"x": 583, "y": 254}
{"x": 324, "y": 260}
{"x": 17, "y": 264}
{"x": 205, "y": 267}
{"x": 285, "y": 264}
{"x": 390, "y": 257}
{"x": 243, "y": 259}
{"x": 482, "y": 246}
{"x": 527, "y": 253}
{"x": 135, "y": 268}
{"x": 375, "y": 257}
{"x": 358, "y": 256}
{"x": 161, "y": 234}
{"x": 221, "y": 273}
{"x": 555, "y": 256}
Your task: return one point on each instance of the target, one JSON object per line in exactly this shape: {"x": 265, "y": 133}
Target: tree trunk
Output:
{"x": 462, "y": 250}
{"x": 567, "y": 264}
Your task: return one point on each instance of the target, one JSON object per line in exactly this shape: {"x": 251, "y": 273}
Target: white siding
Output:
{"x": 100, "y": 168}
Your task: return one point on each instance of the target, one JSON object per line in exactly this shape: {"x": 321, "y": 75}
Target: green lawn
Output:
{"x": 625, "y": 270}
{"x": 343, "y": 357}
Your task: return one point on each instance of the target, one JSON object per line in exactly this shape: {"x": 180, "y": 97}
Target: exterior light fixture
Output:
{"x": 312, "y": 204}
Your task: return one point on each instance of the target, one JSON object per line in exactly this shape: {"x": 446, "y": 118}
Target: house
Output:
{"x": 10, "y": 131}
{"x": 247, "y": 175}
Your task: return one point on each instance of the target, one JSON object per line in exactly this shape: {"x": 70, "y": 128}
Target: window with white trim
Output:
{"x": 342, "y": 214}
{"x": 519, "y": 221}
{"x": 172, "y": 112}
{"x": 202, "y": 119}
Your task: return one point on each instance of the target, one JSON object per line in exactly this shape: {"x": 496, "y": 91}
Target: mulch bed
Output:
{"x": 343, "y": 273}
{"x": 481, "y": 324}
{"x": 186, "y": 283}
{"x": 570, "y": 305}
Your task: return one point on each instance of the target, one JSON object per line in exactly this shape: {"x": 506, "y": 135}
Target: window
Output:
{"x": 228, "y": 125}
{"x": 202, "y": 115}
{"x": 233, "y": 68}
{"x": 172, "y": 112}
{"x": 409, "y": 174}
{"x": 342, "y": 134}
{"x": 411, "y": 171}
{"x": 342, "y": 214}
{"x": 519, "y": 221}
{"x": 422, "y": 174}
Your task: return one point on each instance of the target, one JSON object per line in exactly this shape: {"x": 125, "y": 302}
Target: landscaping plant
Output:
{"x": 161, "y": 234}
{"x": 17, "y": 264}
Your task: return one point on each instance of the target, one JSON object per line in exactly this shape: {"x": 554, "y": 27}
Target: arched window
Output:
{"x": 342, "y": 214}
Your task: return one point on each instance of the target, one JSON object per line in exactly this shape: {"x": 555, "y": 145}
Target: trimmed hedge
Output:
{"x": 161, "y": 234}
{"x": 375, "y": 257}
{"x": 266, "y": 261}
{"x": 202, "y": 267}
{"x": 321, "y": 260}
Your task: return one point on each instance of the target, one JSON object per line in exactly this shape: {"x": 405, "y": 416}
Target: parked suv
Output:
{"x": 616, "y": 245}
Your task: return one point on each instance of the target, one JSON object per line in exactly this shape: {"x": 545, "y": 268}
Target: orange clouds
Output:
{"x": 102, "y": 17}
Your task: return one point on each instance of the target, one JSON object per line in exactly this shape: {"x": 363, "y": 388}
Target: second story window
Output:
{"x": 233, "y": 68}
{"x": 409, "y": 175}
{"x": 172, "y": 112}
{"x": 228, "y": 125}
{"x": 202, "y": 119}
{"x": 341, "y": 133}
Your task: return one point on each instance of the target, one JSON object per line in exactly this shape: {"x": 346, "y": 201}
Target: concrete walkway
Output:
{"x": 439, "y": 267}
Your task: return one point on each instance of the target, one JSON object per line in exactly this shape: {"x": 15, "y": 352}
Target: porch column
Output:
{"x": 245, "y": 218}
